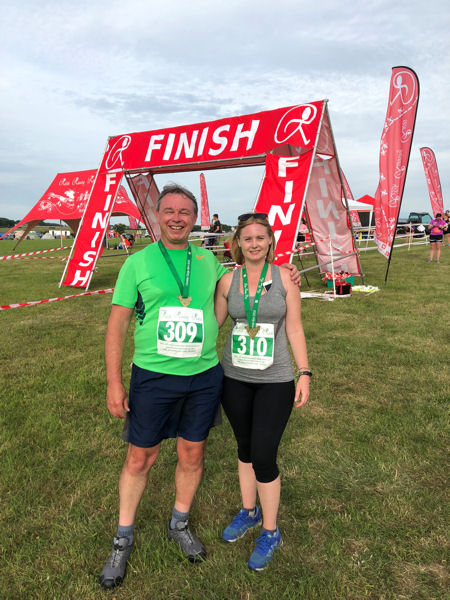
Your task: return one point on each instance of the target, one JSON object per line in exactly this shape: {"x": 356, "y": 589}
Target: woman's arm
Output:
{"x": 221, "y": 298}
{"x": 296, "y": 337}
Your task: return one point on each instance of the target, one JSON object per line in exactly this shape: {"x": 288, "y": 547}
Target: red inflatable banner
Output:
{"x": 433, "y": 180}
{"x": 395, "y": 147}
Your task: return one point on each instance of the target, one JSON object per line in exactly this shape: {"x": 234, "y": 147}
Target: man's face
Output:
{"x": 176, "y": 218}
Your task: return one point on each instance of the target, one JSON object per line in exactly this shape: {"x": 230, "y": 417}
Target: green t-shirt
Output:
{"x": 169, "y": 338}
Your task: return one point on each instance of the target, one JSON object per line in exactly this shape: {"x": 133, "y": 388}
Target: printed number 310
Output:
{"x": 260, "y": 346}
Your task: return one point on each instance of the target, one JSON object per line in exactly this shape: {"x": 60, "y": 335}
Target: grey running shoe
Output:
{"x": 191, "y": 547}
{"x": 114, "y": 570}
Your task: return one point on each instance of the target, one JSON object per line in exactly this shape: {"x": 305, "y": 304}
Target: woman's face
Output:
{"x": 254, "y": 240}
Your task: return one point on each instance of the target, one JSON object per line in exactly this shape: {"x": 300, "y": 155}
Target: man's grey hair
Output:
{"x": 174, "y": 188}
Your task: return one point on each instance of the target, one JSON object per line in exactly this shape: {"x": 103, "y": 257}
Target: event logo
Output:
{"x": 405, "y": 85}
{"x": 427, "y": 157}
{"x": 294, "y": 120}
{"x": 65, "y": 204}
{"x": 116, "y": 151}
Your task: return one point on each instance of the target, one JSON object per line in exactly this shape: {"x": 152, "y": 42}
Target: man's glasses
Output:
{"x": 247, "y": 216}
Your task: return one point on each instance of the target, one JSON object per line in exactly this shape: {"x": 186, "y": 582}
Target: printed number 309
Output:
{"x": 179, "y": 331}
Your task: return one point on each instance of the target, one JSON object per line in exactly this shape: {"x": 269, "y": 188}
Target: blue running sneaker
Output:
{"x": 264, "y": 549}
{"x": 240, "y": 524}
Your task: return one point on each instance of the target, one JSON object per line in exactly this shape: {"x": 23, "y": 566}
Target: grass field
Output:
{"x": 364, "y": 464}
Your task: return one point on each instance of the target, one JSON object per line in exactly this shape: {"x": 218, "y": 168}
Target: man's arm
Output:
{"x": 116, "y": 395}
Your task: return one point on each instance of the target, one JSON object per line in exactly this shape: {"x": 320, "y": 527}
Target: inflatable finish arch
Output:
{"x": 295, "y": 143}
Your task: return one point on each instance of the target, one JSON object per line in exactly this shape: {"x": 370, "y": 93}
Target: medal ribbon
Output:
{"x": 184, "y": 289}
{"x": 252, "y": 313}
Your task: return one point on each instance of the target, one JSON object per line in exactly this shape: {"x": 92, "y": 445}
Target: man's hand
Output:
{"x": 117, "y": 400}
{"x": 295, "y": 275}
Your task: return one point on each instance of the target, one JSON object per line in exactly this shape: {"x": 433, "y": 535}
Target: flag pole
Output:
{"x": 332, "y": 268}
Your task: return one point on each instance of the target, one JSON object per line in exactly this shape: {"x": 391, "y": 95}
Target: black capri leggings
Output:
{"x": 258, "y": 414}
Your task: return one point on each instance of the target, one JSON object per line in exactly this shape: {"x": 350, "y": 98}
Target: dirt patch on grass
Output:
{"x": 411, "y": 578}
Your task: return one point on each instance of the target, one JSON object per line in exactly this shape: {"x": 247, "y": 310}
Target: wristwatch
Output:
{"x": 305, "y": 372}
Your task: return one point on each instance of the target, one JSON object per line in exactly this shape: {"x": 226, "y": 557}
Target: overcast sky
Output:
{"x": 75, "y": 73}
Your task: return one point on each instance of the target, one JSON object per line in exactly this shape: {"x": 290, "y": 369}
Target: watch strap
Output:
{"x": 305, "y": 372}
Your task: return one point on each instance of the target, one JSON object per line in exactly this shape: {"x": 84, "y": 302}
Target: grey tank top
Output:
{"x": 272, "y": 309}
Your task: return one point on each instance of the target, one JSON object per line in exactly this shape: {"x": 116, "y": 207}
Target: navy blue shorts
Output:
{"x": 166, "y": 406}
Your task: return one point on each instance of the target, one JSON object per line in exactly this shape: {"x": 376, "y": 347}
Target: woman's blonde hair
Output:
{"x": 236, "y": 251}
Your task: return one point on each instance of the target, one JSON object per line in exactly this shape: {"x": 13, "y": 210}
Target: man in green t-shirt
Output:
{"x": 176, "y": 378}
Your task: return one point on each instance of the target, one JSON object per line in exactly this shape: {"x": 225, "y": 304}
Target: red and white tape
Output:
{"x": 61, "y": 258}
{"x": 33, "y": 253}
{"x": 20, "y": 304}
{"x": 300, "y": 249}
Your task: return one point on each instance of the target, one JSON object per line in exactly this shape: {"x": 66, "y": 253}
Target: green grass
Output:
{"x": 364, "y": 464}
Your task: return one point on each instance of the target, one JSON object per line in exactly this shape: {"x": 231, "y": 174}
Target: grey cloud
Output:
{"x": 160, "y": 108}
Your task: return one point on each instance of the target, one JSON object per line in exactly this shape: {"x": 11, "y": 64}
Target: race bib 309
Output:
{"x": 180, "y": 332}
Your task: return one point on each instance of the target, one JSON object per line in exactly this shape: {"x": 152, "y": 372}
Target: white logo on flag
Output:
{"x": 115, "y": 154}
{"x": 405, "y": 85}
{"x": 427, "y": 157}
{"x": 290, "y": 123}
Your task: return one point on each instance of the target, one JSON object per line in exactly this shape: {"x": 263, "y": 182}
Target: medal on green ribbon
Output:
{"x": 184, "y": 289}
{"x": 252, "y": 313}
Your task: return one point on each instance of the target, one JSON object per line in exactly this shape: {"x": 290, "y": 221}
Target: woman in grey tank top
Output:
{"x": 259, "y": 389}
